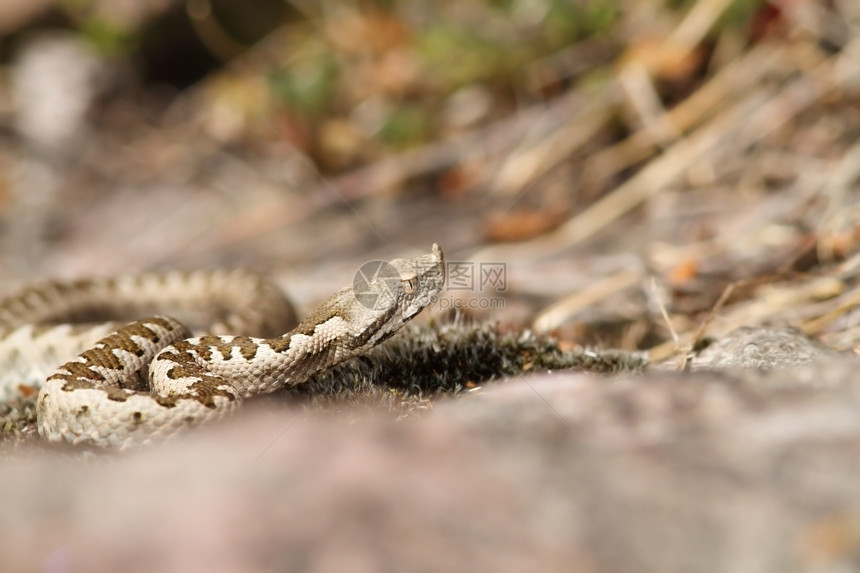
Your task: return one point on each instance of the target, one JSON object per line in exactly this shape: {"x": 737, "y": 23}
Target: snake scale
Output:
{"x": 105, "y": 383}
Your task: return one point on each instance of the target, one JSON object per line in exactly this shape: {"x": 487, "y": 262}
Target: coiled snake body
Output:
{"x": 133, "y": 383}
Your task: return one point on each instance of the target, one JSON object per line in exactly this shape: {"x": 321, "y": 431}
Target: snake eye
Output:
{"x": 410, "y": 282}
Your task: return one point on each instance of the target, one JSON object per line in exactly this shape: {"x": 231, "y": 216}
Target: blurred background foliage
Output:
{"x": 591, "y": 145}
{"x": 356, "y": 80}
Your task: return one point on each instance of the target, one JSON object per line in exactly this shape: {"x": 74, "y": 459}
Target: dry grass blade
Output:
{"x": 488, "y": 143}
{"x": 560, "y": 312}
{"x": 750, "y": 120}
{"x": 724, "y": 88}
{"x": 533, "y": 160}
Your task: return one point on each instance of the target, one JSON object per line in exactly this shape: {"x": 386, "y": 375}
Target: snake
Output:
{"x": 106, "y": 383}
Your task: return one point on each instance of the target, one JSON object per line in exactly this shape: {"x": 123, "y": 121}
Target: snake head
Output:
{"x": 383, "y": 297}
{"x": 389, "y": 294}
{"x": 421, "y": 279}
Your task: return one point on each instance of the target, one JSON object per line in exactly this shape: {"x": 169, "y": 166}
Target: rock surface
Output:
{"x": 765, "y": 348}
{"x": 702, "y": 471}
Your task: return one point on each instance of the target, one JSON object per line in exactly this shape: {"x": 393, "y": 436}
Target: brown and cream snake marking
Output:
{"x": 147, "y": 379}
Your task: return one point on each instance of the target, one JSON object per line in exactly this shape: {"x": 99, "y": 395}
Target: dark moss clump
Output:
{"x": 420, "y": 365}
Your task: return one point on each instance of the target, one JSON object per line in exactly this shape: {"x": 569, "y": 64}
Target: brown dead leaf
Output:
{"x": 662, "y": 60}
{"x": 522, "y": 224}
{"x": 683, "y": 272}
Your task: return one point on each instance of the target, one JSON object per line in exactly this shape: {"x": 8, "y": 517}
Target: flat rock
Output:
{"x": 764, "y": 348}
{"x": 703, "y": 471}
